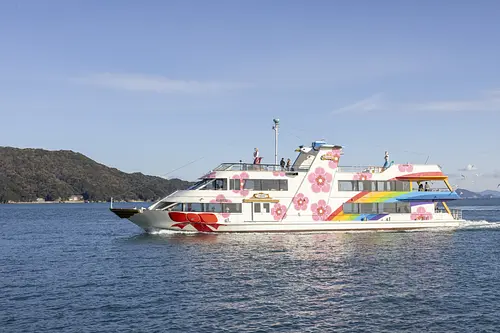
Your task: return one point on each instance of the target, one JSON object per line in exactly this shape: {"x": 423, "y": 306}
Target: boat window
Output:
{"x": 283, "y": 185}
{"x": 231, "y": 207}
{"x": 213, "y": 207}
{"x": 256, "y": 207}
{"x": 402, "y": 186}
{"x": 351, "y": 208}
{"x": 403, "y": 207}
{"x": 373, "y": 186}
{"x": 381, "y": 186}
{"x": 193, "y": 207}
{"x": 376, "y": 208}
{"x": 270, "y": 184}
{"x": 368, "y": 208}
{"x": 163, "y": 204}
{"x": 367, "y": 185}
{"x": 252, "y": 184}
{"x": 199, "y": 184}
{"x": 215, "y": 184}
{"x": 355, "y": 186}
{"x": 387, "y": 208}
{"x": 234, "y": 184}
{"x": 267, "y": 207}
{"x": 260, "y": 184}
{"x": 176, "y": 208}
{"x": 208, "y": 207}
{"x": 347, "y": 185}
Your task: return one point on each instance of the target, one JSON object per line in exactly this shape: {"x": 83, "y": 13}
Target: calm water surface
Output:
{"x": 78, "y": 268}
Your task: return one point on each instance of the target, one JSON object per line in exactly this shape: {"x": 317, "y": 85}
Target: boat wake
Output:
{"x": 464, "y": 226}
{"x": 165, "y": 232}
{"x": 475, "y": 225}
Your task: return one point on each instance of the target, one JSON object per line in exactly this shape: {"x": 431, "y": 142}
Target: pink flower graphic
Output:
{"x": 221, "y": 199}
{"x": 362, "y": 176}
{"x": 405, "y": 167}
{"x": 320, "y": 210}
{"x": 320, "y": 180}
{"x": 300, "y": 202}
{"x": 421, "y": 214}
{"x": 279, "y": 173}
{"x": 278, "y": 211}
{"x": 333, "y": 158}
{"x": 242, "y": 177}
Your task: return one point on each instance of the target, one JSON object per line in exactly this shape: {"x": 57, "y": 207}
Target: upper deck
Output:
{"x": 273, "y": 167}
{"x": 249, "y": 167}
{"x": 348, "y": 169}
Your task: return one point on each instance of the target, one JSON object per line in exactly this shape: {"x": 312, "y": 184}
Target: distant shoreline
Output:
{"x": 63, "y": 202}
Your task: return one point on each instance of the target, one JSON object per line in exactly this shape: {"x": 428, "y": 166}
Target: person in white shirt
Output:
{"x": 256, "y": 156}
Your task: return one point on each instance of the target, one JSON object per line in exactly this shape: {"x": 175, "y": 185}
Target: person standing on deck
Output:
{"x": 288, "y": 162}
{"x": 282, "y": 163}
{"x": 256, "y": 156}
{"x": 386, "y": 163}
{"x": 427, "y": 187}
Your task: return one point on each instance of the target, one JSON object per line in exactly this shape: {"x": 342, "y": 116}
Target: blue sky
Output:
{"x": 152, "y": 85}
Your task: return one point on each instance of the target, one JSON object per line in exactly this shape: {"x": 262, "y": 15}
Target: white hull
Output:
{"x": 153, "y": 221}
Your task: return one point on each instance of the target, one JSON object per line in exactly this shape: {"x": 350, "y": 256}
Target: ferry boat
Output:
{"x": 315, "y": 194}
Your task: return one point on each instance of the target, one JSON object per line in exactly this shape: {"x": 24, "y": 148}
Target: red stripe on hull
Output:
{"x": 201, "y": 227}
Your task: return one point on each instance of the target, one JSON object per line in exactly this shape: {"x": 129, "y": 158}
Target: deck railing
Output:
{"x": 434, "y": 189}
{"x": 360, "y": 168}
{"x": 365, "y": 168}
{"x": 456, "y": 213}
{"x": 255, "y": 167}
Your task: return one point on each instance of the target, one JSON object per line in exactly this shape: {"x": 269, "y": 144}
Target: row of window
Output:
{"x": 348, "y": 208}
{"x": 376, "y": 208}
{"x": 248, "y": 184}
{"x": 282, "y": 185}
{"x": 373, "y": 185}
{"x": 259, "y": 184}
{"x": 201, "y": 207}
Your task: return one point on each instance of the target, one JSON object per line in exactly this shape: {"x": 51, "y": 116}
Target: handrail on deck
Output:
{"x": 360, "y": 168}
{"x": 456, "y": 213}
{"x": 434, "y": 189}
{"x": 255, "y": 167}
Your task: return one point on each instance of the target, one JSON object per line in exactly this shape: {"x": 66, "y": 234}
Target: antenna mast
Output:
{"x": 275, "y": 128}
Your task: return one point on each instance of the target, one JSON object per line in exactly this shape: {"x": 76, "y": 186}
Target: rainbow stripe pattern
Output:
{"x": 394, "y": 196}
{"x": 377, "y": 197}
{"x": 386, "y": 197}
{"x": 355, "y": 217}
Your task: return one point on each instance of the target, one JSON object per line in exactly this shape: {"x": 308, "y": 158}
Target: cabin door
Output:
{"x": 261, "y": 211}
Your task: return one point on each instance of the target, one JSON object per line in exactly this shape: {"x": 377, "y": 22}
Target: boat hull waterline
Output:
{"x": 153, "y": 221}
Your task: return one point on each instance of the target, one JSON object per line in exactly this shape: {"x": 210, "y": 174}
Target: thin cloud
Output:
{"x": 156, "y": 84}
{"x": 372, "y": 103}
{"x": 488, "y": 101}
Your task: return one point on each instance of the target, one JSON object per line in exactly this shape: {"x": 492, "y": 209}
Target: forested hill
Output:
{"x": 31, "y": 174}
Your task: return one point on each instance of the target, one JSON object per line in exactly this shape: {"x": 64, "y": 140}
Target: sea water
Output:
{"x": 79, "y": 268}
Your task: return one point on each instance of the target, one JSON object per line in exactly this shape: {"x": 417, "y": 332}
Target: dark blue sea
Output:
{"x": 78, "y": 268}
